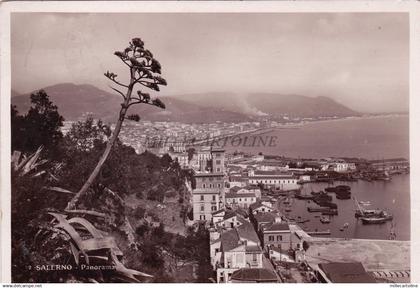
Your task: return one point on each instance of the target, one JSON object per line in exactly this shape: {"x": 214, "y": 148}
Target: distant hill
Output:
{"x": 260, "y": 104}
{"x": 74, "y": 101}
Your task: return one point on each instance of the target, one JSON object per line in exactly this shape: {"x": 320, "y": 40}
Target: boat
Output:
{"x": 330, "y": 212}
{"x": 375, "y": 220}
{"x": 367, "y": 212}
{"x": 325, "y": 219}
{"x": 288, "y": 209}
{"x": 376, "y": 216}
{"x": 366, "y": 203}
{"x": 318, "y": 209}
{"x": 304, "y": 197}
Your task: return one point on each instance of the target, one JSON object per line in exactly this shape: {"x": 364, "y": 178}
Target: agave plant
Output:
{"x": 28, "y": 165}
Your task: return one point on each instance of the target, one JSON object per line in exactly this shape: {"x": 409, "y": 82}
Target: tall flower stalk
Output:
{"x": 145, "y": 71}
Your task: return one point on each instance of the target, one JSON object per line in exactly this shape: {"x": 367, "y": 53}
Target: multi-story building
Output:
{"x": 208, "y": 195}
{"x": 278, "y": 234}
{"x": 338, "y": 165}
{"x": 235, "y": 249}
{"x": 282, "y": 181}
{"x": 240, "y": 199}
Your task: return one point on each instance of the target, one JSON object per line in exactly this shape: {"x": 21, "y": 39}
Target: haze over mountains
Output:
{"x": 74, "y": 101}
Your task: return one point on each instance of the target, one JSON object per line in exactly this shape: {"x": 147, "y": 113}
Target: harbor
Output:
{"x": 393, "y": 197}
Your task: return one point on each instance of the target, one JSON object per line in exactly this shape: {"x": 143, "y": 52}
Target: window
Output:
{"x": 254, "y": 257}
{"x": 202, "y": 198}
{"x": 204, "y": 185}
{"x": 240, "y": 199}
{"x": 202, "y": 208}
{"x": 217, "y": 169}
{"x": 214, "y": 197}
{"x": 216, "y": 250}
{"x": 213, "y": 208}
{"x": 219, "y": 185}
{"x": 218, "y": 162}
{"x": 279, "y": 238}
{"x": 270, "y": 238}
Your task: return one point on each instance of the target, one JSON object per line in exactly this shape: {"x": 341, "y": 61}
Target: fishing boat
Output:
{"x": 367, "y": 212}
{"x": 325, "y": 219}
{"x": 330, "y": 212}
{"x": 376, "y": 219}
{"x": 372, "y": 216}
{"x": 304, "y": 197}
{"x": 318, "y": 209}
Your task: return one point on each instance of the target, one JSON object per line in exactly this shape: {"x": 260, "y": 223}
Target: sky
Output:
{"x": 358, "y": 59}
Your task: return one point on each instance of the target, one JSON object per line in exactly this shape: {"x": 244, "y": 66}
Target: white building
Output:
{"x": 235, "y": 249}
{"x": 208, "y": 195}
{"x": 274, "y": 179}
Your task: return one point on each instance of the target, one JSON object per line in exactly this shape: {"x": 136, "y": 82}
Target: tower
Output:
{"x": 218, "y": 160}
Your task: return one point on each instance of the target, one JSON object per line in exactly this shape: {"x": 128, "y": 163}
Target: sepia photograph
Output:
{"x": 210, "y": 147}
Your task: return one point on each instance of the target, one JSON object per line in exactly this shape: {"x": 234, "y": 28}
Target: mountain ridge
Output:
{"x": 75, "y": 100}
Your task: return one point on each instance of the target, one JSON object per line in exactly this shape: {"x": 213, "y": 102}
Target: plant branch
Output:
{"x": 116, "y": 90}
{"x": 118, "y": 83}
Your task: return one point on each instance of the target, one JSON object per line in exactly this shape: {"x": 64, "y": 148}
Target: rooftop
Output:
{"x": 258, "y": 204}
{"x": 352, "y": 272}
{"x": 265, "y": 217}
{"x": 230, "y": 240}
{"x": 247, "y": 231}
{"x": 277, "y": 227}
{"x": 271, "y": 173}
{"x": 254, "y": 275}
{"x": 208, "y": 174}
{"x": 237, "y": 195}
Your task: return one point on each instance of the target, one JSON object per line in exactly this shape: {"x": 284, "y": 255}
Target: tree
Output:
{"x": 39, "y": 127}
{"x": 145, "y": 71}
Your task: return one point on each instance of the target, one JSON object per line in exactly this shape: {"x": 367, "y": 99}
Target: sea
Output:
{"x": 373, "y": 138}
